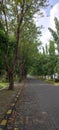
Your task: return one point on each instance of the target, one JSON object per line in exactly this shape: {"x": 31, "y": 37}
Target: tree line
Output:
{"x": 19, "y": 53}
{"x": 47, "y": 62}
{"x": 18, "y": 37}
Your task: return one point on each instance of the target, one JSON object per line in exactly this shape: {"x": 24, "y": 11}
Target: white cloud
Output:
{"x": 46, "y": 36}
{"x": 47, "y": 22}
{"x": 38, "y": 19}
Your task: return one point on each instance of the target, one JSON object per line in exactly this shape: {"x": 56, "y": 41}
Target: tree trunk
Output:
{"x": 20, "y": 73}
{"x": 11, "y": 81}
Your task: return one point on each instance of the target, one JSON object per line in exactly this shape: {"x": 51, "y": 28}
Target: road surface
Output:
{"x": 38, "y": 107}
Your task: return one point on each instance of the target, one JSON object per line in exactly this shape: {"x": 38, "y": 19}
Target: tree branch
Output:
{"x": 18, "y": 33}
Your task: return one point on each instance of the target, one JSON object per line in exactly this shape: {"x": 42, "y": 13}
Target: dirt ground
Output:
{"x": 6, "y": 97}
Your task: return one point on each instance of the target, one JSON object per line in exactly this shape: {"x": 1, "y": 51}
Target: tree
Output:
{"x": 57, "y": 67}
{"x": 14, "y": 13}
{"x": 44, "y": 64}
{"x": 3, "y": 41}
{"x": 52, "y": 58}
{"x": 51, "y": 48}
{"x": 55, "y": 34}
{"x": 3, "y": 47}
{"x": 27, "y": 47}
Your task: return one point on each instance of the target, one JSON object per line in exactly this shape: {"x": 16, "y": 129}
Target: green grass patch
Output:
{"x": 57, "y": 84}
{"x": 53, "y": 82}
{"x": 49, "y": 81}
{"x": 2, "y": 84}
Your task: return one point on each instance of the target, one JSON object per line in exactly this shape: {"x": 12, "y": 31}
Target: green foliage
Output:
{"x": 57, "y": 66}
{"x": 55, "y": 34}
{"x": 51, "y": 48}
{"x": 16, "y": 17}
{"x": 45, "y": 63}
{"x": 5, "y": 42}
{"x": 28, "y": 46}
{"x": 3, "y": 45}
{"x": 11, "y": 45}
{"x": 3, "y": 85}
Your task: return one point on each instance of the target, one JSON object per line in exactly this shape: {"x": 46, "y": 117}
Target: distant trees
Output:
{"x": 52, "y": 58}
{"x": 47, "y": 63}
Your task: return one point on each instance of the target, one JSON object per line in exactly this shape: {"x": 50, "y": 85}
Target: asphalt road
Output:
{"x": 38, "y": 107}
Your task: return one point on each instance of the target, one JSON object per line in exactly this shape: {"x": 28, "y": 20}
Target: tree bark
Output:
{"x": 20, "y": 72}
{"x": 11, "y": 80}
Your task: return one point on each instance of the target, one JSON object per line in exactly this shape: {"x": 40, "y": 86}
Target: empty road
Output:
{"x": 38, "y": 107}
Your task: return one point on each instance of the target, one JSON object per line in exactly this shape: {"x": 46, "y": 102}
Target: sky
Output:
{"x": 48, "y": 20}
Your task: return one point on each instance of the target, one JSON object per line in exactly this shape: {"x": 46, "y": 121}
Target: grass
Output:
{"x": 52, "y": 82}
{"x": 3, "y": 85}
{"x": 49, "y": 81}
{"x": 57, "y": 84}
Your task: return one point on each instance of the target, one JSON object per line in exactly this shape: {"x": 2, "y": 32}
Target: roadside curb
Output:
{"x": 4, "y": 121}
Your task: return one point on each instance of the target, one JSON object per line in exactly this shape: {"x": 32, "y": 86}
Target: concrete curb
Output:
{"x": 3, "y": 124}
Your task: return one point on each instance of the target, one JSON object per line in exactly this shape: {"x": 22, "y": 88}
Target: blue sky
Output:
{"x": 51, "y": 4}
{"x": 50, "y": 13}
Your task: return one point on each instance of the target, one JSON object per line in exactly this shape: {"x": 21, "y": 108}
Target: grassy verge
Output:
{"x": 57, "y": 84}
{"x": 49, "y": 81}
{"x": 52, "y": 82}
{"x": 3, "y": 85}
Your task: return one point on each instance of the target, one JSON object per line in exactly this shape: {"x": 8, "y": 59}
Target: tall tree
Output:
{"x": 14, "y": 13}
{"x": 55, "y": 33}
{"x": 28, "y": 43}
{"x": 52, "y": 58}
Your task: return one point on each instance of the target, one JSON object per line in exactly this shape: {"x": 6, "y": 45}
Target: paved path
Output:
{"x": 38, "y": 107}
